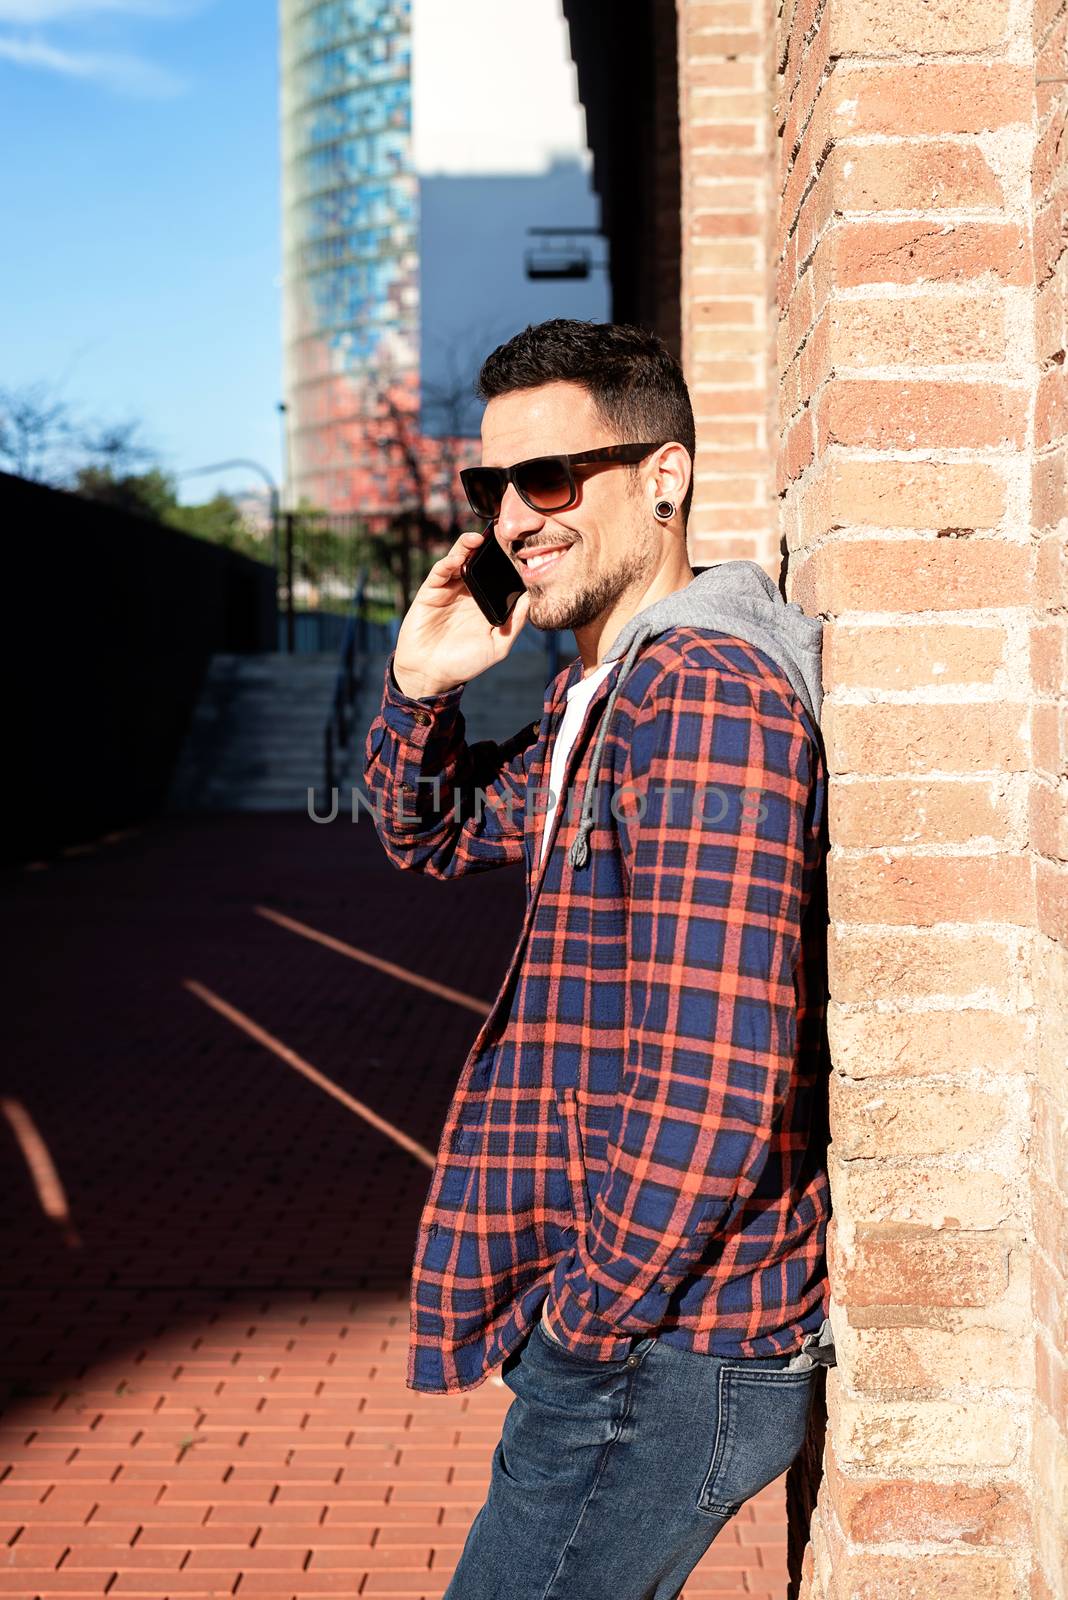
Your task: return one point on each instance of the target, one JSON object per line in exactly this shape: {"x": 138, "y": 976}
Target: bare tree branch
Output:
{"x": 36, "y": 429}
{"x": 41, "y": 439}
{"x": 115, "y": 447}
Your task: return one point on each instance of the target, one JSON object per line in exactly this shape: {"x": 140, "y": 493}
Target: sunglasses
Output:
{"x": 544, "y": 483}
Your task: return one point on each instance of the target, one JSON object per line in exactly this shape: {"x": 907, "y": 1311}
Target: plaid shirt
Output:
{"x": 637, "y": 1141}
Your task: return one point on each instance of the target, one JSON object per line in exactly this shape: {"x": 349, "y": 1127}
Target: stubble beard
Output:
{"x": 593, "y": 596}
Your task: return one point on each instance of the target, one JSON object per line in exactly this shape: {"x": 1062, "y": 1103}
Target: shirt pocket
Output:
{"x": 574, "y": 1156}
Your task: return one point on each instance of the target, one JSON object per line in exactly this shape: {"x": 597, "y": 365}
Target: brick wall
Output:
{"x": 920, "y": 381}
{"x": 1048, "y": 808}
{"x": 728, "y": 290}
{"x": 893, "y": 410}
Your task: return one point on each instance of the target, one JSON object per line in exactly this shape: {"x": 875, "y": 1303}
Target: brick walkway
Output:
{"x": 206, "y": 1128}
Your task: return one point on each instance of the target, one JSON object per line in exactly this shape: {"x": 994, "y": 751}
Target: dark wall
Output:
{"x": 628, "y": 85}
{"x": 109, "y": 624}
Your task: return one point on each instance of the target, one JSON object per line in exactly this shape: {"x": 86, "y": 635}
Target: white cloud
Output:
{"x": 125, "y": 74}
{"x": 64, "y": 36}
{"x": 41, "y": 11}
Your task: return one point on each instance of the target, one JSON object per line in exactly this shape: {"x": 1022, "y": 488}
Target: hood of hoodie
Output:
{"x": 738, "y": 597}
{"x": 735, "y": 597}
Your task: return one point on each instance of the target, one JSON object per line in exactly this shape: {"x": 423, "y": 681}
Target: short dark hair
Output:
{"x": 636, "y": 384}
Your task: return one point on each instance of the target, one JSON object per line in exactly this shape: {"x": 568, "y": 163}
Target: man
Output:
{"x": 629, "y": 1206}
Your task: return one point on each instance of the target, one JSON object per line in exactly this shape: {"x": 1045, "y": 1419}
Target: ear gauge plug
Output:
{"x": 663, "y": 511}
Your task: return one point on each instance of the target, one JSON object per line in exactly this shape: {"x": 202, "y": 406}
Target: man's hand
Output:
{"x": 545, "y": 1330}
{"x": 444, "y": 639}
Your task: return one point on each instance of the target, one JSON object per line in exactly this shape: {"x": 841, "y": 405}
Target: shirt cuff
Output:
{"x": 406, "y": 714}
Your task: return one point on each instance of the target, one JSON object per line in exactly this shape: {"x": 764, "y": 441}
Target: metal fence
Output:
{"x": 337, "y": 567}
{"x": 327, "y": 560}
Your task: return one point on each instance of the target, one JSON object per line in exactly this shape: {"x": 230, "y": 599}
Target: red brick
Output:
{"x": 879, "y": 414}
{"x": 899, "y": 1265}
{"x": 928, "y": 251}
{"x": 907, "y": 576}
{"x": 867, "y": 28}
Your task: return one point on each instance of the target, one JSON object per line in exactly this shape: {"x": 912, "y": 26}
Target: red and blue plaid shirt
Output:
{"x": 637, "y": 1142}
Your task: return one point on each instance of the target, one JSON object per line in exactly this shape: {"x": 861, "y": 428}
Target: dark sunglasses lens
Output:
{"x": 544, "y": 484}
{"x": 483, "y": 488}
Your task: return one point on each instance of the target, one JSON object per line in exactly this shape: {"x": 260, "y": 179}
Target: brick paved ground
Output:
{"x": 203, "y": 1318}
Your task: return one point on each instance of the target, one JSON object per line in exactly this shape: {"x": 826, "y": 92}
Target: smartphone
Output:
{"x": 492, "y": 579}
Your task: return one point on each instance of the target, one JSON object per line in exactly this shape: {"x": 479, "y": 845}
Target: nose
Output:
{"x": 516, "y": 520}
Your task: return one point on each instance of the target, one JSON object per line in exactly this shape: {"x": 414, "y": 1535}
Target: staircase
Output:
{"x": 255, "y": 742}
{"x": 257, "y": 738}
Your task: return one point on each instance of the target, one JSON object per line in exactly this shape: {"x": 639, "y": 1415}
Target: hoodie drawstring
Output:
{"x": 579, "y": 853}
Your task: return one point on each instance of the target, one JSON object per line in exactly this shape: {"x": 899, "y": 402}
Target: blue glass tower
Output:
{"x": 350, "y": 248}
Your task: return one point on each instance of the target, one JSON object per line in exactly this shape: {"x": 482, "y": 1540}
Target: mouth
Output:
{"x": 539, "y": 564}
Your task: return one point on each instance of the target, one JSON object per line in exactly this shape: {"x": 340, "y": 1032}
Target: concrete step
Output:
{"x": 256, "y": 741}
{"x": 257, "y": 737}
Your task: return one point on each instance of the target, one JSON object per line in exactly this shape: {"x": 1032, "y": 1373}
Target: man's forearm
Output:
{"x": 442, "y": 807}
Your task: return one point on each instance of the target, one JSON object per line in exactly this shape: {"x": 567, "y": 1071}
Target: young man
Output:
{"x": 629, "y": 1206}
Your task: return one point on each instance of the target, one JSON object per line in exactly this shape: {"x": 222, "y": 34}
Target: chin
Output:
{"x": 546, "y": 614}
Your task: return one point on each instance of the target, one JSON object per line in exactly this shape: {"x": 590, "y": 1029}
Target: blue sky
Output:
{"x": 141, "y": 188}
{"x": 141, "y": 194}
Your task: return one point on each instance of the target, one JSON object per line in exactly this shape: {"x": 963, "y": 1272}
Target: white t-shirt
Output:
{"x": 578, "y": 701}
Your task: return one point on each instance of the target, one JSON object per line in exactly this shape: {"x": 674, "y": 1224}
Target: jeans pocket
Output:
{"x": 762, "y": 1416}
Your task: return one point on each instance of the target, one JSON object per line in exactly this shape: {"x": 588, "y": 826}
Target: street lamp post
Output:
{"x": 287, "y": 462}
{"x": 253, "y": 466}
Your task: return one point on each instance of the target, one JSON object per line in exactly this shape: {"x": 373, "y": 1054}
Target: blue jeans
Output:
{"x": 612, "y": 1478}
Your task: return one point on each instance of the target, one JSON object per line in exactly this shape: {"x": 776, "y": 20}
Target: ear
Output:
{"x": 669, "y": 477}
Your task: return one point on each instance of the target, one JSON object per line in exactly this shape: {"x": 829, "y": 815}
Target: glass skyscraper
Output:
{"x": 350, "y": 253}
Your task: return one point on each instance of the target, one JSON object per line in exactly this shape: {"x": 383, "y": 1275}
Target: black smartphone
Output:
{"x": 492, "y": 578}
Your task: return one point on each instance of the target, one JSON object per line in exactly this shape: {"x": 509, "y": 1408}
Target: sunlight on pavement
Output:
{"x": 405, "y": 974}
{"x": 292, "y": 1059}
{"x": 50, "y": 1191}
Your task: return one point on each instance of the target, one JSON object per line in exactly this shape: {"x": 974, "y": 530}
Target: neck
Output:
{"x": 595, "y": 639}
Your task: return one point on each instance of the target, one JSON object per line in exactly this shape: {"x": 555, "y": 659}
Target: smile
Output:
{"x": 542, "y": 561}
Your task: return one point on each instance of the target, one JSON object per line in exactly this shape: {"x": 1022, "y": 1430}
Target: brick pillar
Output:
{"x": 1048, "y": 814}
{"x": 921, "y": 464}
{"x": 728, "y": 286}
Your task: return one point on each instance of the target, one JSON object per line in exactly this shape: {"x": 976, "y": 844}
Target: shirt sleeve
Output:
{"x": 441, "y": 806}
{"x": 713, "y": 835}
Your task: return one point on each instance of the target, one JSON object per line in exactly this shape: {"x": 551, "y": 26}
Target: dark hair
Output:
{"x": 634, "y": 381}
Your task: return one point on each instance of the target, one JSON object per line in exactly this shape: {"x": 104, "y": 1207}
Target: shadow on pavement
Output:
{"x": 185, "y": 1152}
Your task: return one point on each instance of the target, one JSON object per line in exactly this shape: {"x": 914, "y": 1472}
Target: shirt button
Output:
{"x": 421, "y": 716}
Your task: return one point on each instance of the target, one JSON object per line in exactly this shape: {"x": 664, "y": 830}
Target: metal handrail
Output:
{"x": 339, "y": 724}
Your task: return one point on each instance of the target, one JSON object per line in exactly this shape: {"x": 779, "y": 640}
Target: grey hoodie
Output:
{"x": 735, "y": 597}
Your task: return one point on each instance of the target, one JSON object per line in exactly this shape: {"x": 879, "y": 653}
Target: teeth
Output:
{"x": 533, "y": 562}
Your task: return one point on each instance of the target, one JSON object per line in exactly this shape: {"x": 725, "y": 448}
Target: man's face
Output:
{"x": 606, "y": 544}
